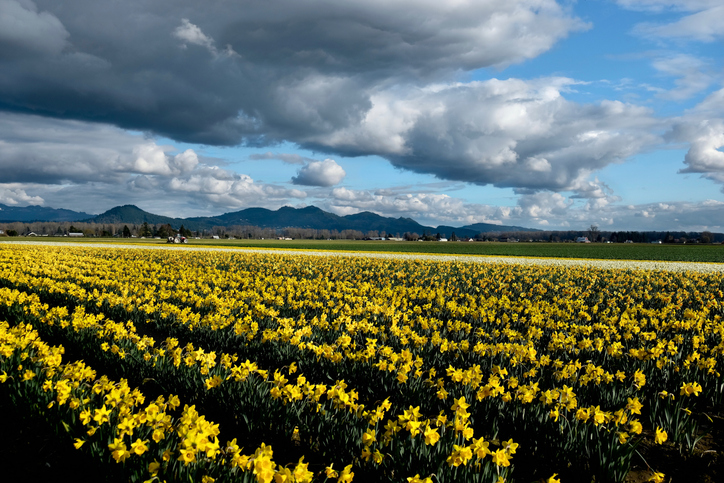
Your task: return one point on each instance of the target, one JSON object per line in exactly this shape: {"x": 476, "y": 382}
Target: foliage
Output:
{"x": 172, "y": 363}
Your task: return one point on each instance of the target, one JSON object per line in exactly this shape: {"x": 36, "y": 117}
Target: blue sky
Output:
{"x": 535, "y": 113}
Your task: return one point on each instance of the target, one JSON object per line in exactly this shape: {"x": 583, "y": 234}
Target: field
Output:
{"x": 184, "y": 365}
{"x": 596, "y": 251}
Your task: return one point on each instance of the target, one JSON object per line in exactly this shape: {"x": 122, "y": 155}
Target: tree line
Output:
{"x": 146, "y": 230}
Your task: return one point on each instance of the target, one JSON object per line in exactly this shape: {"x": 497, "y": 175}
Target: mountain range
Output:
{"x": 285, "y": 217}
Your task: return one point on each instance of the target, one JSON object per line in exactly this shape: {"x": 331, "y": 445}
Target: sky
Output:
{"x": 546, "y": 114}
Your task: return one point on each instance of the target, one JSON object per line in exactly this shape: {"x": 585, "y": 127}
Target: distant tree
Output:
{"x": 126, "y": 232}
{"x": 186, "y": 232}
{"x": 12, "y": 233}
{"x": 706, "y": 237}
{"x": 145, "y": 230}
{"x": 73, "y": 229}
{"x": 165, "y": 231}
{"x": 593, "y": 233}
{"x": 453, "y": 237}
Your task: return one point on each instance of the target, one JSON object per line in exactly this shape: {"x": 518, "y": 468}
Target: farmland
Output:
{"x": 188, "y": 365}
{"x": 596, "y": 251}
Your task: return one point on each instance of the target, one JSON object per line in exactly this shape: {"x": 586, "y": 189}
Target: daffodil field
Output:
{"x": 213, "y": 366}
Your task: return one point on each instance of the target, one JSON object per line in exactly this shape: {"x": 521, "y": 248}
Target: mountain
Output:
{"x": 285, "y": 217}
{"x": 133, "y": 215}
{"x": 29, "y": 214}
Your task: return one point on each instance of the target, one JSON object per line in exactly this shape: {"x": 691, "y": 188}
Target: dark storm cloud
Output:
{"x": 260, "y": 73}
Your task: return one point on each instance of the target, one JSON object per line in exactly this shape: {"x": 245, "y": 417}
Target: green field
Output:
{"x": 613, "y": 251}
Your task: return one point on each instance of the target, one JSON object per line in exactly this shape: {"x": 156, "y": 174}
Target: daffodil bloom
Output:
{"x": 139, "y": 446}
{"x": 500, "y": 458}
{"x": 690, "y": 389}
{"x": 347, "y": 475}
{"x": 119, "y": 451}
{"x": 656, "y": 477}
{"x": 460, "y": 455}
{"x": 660, "y": 436}
{"x": 153, "y": 467}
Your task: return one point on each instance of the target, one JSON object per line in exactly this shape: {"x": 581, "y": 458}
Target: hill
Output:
{"x": 29, "y": 214}
{"x": 286, "y": 217}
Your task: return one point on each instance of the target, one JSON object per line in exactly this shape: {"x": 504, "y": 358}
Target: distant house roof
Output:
{"x": 76, "y": 234}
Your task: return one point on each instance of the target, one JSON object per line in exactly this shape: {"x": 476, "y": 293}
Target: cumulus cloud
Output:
{"x": 12, "y": 194}
{"x": 192, "y": 34}
{"x": 706, "y": 139}
{"x": 509, "y": 133}
{"x": 78, "y": 163}
{"x": 149, "y": 158}
{"x": 320, "y": 173}
{"x": 702, "y": 128}
{"x": 423, "y": 207}
{"x": 226, "y": 189}
{"x": 543, "y": 210}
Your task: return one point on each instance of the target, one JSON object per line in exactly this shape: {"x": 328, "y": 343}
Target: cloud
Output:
{"x": 320, "y": 173}
{"x": 290, "y": 158}
{"x": 693, "y": 75}
{"x": 24, "y": 31}
{"x": 298, "y": 69}
{"x": 509, "y": 133}
{"x": 230, "y": 190}
{"x": 703, "y": 129}
{"x": 89, "y": 166}
{"x": 149, "y": 158}
{"x": 661, "y": 5}
{"x": 192, "y": 34}
{"x": 702, "y": 24}
{"x": 543, "y": 210}
{"x": 12, "y": 194}
{"x": 706, "y": 139}
{"x": 423, "y": 207}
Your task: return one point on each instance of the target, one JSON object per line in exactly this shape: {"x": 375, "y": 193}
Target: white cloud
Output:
{"x": 290, "y": 158}
{"x": 230, "y": 190}
{"x": 149, "y": 158}
{"x": 77, "y": 163}
{"x": 702, "y": 24}
{"x": 693, "y": 75}
{"x": 192, "y": 34}
{"x": 320, "y": 173}
{"x": 706, "y": 139}
{"x": 661, "y": 5}
{"x": 12, "y": 194}
{"x": 544, "y": 210}
{"x": 703, "y": 129}
{"x": 509, "y": 133}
